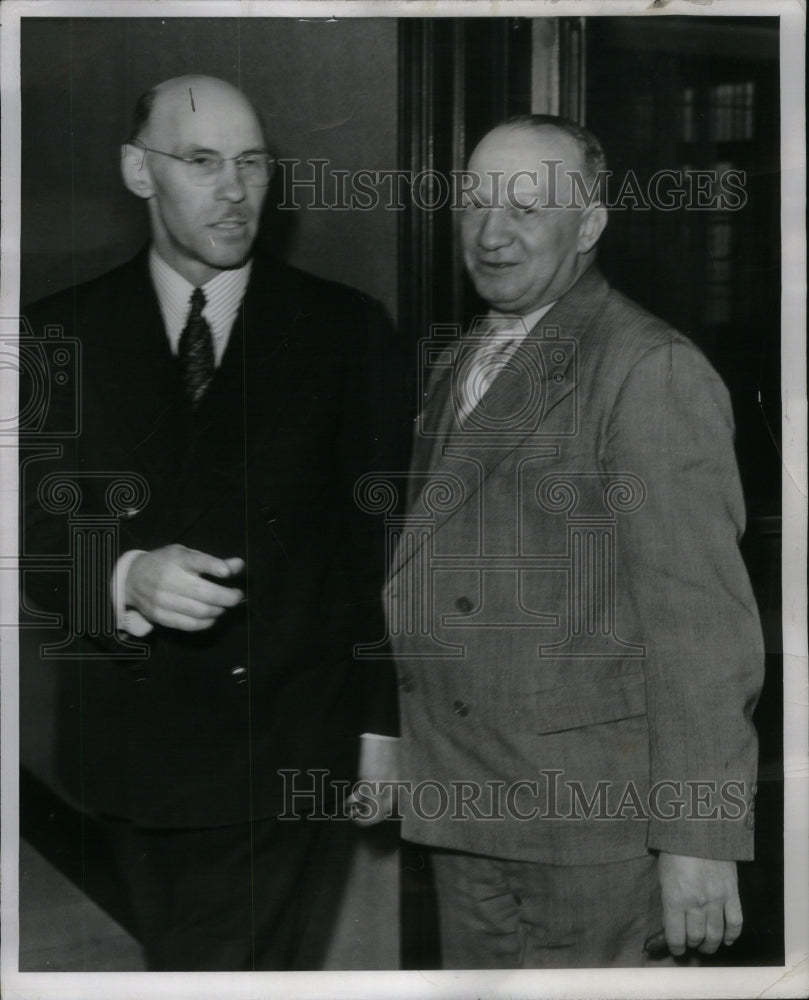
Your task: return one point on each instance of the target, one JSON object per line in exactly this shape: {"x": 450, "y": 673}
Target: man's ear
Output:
{"x": 592, "y": 226}
{"x": 134, "y": 171}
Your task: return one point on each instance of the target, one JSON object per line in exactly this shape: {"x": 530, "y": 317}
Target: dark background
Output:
{"x": 324, "y": 89}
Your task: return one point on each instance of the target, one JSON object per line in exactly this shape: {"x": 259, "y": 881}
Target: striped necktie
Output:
{"x": 501, "y": 340}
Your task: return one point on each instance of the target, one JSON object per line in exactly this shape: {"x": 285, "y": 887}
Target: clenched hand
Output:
{"x": 167, "y": 587}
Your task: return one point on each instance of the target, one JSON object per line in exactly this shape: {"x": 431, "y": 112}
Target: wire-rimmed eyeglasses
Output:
{"x": 205, "y": 167}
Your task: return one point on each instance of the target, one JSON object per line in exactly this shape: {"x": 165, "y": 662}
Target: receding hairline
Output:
{"x": 144, "y": 109}
{"x": 588, "y": 145}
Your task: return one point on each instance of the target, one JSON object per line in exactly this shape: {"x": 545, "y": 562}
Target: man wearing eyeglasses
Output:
{"x": 234, "y": 386}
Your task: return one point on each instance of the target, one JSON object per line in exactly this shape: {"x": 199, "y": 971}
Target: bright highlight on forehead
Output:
{"x": 204, "y": 110}
{"x": 520, "y": 159}
{"x": 519, "y": 147}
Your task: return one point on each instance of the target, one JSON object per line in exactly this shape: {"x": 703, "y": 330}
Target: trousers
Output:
{"x": 252, "y": 896}
{"x": 501, "y": 914}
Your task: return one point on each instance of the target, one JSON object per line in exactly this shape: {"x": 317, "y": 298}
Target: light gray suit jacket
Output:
{"x": 577, "y": 643}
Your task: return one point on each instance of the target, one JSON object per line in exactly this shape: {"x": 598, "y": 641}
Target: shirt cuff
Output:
{"x": 379, "y": 757}
{"x": 127, "y": 619}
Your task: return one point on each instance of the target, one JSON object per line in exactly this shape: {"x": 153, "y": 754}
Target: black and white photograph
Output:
{"x": 403, "y": 510}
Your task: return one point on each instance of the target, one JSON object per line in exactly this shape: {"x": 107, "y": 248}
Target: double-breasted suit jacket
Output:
{"x": 196, "y": 733}
{"x": 577, "y": 643}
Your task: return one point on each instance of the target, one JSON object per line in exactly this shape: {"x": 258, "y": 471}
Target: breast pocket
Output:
{"x": 608, "y": 699}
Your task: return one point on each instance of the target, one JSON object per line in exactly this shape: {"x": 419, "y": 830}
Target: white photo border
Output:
{"x": 790, "y": 980}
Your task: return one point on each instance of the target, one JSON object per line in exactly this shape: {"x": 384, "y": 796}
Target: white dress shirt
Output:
{"x": 223, "y": 298}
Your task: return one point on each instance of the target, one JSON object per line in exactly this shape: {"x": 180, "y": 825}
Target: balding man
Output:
{"x": 234, "y": 386}
{"x": 576, "y": 705}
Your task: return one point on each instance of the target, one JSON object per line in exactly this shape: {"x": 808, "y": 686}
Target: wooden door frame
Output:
{"x": 457, "y": 78}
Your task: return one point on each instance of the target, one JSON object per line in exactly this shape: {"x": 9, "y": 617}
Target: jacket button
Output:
{"x": 464, "y": 605}
{"x": 239, "y": 673}
{"x": 459, "y": 708}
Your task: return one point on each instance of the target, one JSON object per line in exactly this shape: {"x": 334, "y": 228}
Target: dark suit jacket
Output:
{"x": 591, "y": 629}
{"x": 196, "y": 734}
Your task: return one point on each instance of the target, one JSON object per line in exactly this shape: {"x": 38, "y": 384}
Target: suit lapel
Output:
{"x": 543, "y": 372}
{"x": 188, "y": 456}
{"x": 139, "y": 377}
{"x": 249, "y": 389}
{"x": 434, "y": 423}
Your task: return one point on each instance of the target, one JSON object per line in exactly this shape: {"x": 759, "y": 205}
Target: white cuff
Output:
{"x": 127, "y": 619}
{"x": 379, "y": 757}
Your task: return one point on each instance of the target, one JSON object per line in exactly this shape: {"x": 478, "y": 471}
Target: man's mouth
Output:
{"x": 228, "y": 224}
{"x": 497, "y": 265}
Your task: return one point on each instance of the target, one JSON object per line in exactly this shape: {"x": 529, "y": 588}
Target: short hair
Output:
{"x": 591, "y": 151}
{"x": 142, "y": 112}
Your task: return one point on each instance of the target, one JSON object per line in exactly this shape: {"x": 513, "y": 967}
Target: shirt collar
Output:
{"x": 223, "y": 298}
{"x": 529, "y": 321}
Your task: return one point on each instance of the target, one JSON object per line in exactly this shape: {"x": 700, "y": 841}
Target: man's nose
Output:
{"x": 494, "y": 230}
{"x": 230, "y": 184}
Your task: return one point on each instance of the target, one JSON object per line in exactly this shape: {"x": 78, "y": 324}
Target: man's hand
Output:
{"x": 167, "y": 588}
{"x": 701, "y": 907}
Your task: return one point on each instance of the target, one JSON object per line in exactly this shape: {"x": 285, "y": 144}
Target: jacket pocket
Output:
{"x": 605, "y": 700}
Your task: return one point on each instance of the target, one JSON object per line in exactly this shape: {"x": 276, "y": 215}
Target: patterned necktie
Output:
{"x": 196, "y": 350}
{"x": 501, "y": 340}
